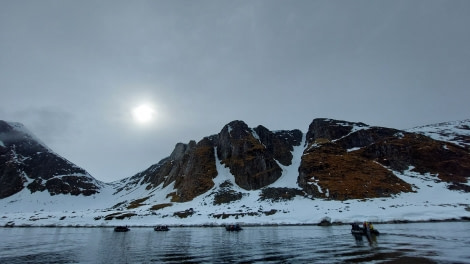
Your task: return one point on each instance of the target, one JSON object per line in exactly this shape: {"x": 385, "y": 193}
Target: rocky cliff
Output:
{"x": 252, "y": 155}
{"x": 341, "y": 160}
{"x": 345, "y": 160}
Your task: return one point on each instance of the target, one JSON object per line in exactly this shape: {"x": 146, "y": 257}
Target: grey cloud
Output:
{"x": 72, "y": 70}
{"x": 49, "y": 124}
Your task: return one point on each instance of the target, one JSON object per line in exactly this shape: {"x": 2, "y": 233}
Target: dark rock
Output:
{"x": 247, "y": 158}
{"x": 23, "y": 156}
{"x": 325, "y": 222}
{"x": 225, "y": 194}
{"x": 329, "y": 129}
{"x": 280, "y": 143}
{"x": 279, "y": 194}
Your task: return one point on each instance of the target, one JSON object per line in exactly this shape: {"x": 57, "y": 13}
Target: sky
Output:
{"x": 74, "y": 72}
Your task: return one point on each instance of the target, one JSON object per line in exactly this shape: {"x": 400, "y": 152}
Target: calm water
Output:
{"x": 405, "y": 243}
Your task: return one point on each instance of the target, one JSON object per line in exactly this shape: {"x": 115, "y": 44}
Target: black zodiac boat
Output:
{"x": 236, "y": 227}
{"x": 121, "y": 229}
{"x": 367, "y": 230}
{"x": 161, "y": 228}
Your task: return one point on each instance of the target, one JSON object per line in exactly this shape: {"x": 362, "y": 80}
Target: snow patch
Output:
{"x": 314, "y": 182}
{"x": 290, "y": 173}
{"x": 354, "y": 129}
{"x": 353, "y": 149}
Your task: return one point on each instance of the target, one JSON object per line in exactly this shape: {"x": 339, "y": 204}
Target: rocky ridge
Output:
{"x": 25, "y": 162}
{"x": 341, "y": 160}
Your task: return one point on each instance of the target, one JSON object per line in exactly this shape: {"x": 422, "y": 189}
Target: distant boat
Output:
{"x": 359, "y": 231}
{"x": 121, "y": 229}
{"x": 236, "y": 227}
{"x": 161, "y": 228}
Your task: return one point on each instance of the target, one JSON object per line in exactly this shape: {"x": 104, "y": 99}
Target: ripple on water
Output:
{"x": 429, "y": 243}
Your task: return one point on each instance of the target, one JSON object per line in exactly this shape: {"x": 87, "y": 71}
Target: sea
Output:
{"x": 438, "y": 242}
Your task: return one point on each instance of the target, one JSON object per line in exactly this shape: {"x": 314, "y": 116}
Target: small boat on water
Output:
{"x": 121, "y": 229}
{"x": 236, "y": 227}
{"x": 367, "y": 230}
{"x": 161, "y": 228}
{"x": 361, "y": 232}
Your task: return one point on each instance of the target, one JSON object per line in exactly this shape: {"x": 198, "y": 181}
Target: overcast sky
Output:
{"x": 73, "y": 71}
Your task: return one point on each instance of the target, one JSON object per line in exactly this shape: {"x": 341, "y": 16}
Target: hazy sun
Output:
{"x": 143, "y": 113}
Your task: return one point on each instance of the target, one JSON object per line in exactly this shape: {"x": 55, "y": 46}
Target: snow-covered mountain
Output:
{"x": 338, "y": 170}
{"x": 25, "y": 162}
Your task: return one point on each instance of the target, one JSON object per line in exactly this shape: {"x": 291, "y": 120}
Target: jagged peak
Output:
{"x": 236, "y": 129}
{"x": 237, "y": 123}
{"x": 181, "y": 149}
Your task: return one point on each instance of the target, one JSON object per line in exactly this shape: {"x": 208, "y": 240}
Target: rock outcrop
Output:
{"x": 26, "y": 162}
{"x": 345, "y": 160}
{"x": 241, "y": 150}
{"x": 251, "y": 155}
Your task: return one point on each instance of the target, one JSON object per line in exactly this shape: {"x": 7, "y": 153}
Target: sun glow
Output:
{"x": 143, "y": 113}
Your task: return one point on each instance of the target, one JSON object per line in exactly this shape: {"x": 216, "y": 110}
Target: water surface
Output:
{"x": 413, "y": 243}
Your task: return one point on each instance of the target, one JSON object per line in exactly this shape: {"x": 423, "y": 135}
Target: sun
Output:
{"x": 143, "y": 113}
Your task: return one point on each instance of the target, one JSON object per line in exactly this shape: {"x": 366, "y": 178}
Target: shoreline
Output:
{"x": 323, "y": 224}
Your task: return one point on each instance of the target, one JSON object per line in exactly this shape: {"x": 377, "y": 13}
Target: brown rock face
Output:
{"x": 345, "y": 160}
{"x": 190, "y": 166}
{"x": 250, "y": 154}
{"x": 330, "y": 172}
{"x": 451, "y": 163}
{"x": 198, "y": 172}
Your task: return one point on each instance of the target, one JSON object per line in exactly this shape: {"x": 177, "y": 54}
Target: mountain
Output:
{"x": 253, "y": 156}
{"x": 25, "y": 162}
{"x": 338, "y": 169}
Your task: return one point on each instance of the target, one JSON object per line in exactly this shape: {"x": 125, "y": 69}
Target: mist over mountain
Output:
{"x": 25, "y": 162}
{"x": 337, "y": 169}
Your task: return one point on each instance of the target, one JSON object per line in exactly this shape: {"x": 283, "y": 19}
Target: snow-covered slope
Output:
{"x": 457, "y": 132}
{"x": 431, "y": 201}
